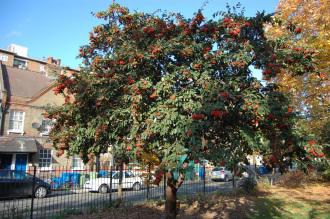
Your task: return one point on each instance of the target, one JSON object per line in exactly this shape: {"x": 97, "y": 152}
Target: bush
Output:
{"x": 263, "y": 184}
{"x": 248, "y": 185}
{"x": 293, "y": 179}
{"x": 326, "y": 175}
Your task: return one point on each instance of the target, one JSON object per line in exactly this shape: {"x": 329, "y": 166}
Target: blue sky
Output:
{"x": 58, "y": 28}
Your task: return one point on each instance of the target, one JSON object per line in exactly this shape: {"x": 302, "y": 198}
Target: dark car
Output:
{"x": 15, "y": 183}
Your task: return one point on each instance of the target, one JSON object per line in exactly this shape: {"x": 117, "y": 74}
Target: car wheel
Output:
{"x": 226, "y": 178}
{"x": 136, "y": 186}
{"x": 103, "y": 189}
{"x": 40, "y": 192}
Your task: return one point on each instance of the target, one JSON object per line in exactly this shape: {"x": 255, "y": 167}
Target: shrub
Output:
{"x": 293, "y": 179}
{"x": 326, "y": 175}
{"x": 263, "y": 184}
{"x": 248, "y": 185}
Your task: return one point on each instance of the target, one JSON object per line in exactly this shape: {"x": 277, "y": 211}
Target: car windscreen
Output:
{"x": 115, "y": 175}
{"x": 15, "y": 174}
{"x": 218, "y": 169}
{"x": 107, "y": 175}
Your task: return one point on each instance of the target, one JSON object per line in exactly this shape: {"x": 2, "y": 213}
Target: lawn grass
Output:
{"x": 277, "y": 207}
{"x": 311, "y": 201}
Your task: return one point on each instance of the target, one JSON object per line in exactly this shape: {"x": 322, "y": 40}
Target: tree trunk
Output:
{"x": 120, "y": 184}
{"x": 170, "y": 204}
{"x": 272, "y": 177}
{"x": 97, "y": 163}
{"x": 172, "y": 187}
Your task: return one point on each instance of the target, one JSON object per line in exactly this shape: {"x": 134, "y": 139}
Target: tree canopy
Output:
{"x": 169, "y": 86}
{"x": 308, "y": 21}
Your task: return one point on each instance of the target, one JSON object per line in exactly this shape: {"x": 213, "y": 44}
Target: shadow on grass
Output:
{"x": 231, "y": 206}
{"x": 259, "y": 205}
{"x": 267, "y": 208}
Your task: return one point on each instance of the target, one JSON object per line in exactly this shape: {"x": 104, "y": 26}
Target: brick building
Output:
{"x": 26, "y": 90}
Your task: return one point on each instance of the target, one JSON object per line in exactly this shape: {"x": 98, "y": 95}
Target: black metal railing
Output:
{"x": 39, "y": 193}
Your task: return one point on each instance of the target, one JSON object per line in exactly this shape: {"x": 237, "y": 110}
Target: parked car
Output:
{"x": 221, "y": 173}
{"x": 15, "y": 183}
{"x": 102, "y": 184}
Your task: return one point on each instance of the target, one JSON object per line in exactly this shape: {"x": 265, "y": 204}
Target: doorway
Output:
{"x": 21, "y": 162}
{"x": 6, "y": 161}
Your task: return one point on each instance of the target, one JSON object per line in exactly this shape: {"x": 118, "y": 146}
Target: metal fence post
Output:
{"x": 204, "y": 179}
{"x": 110, "y": 192}
{"x": 164, "y": 185}
{"x": 33, "y": 188}
{"x": 148, "y": 182}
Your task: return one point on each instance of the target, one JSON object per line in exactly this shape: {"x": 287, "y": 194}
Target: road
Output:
{"x": 61, "y": 202}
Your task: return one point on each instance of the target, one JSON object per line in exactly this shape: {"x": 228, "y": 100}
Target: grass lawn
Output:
{"x": 310, "y": 201}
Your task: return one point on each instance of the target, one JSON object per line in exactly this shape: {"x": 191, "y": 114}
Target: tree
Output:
{"x": 178, "y": 88}
{"x": 308, "y": 21}
{"x": 285, "y": 138}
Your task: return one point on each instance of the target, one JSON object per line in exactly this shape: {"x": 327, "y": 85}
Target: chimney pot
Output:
{"x": 50, "y": 60}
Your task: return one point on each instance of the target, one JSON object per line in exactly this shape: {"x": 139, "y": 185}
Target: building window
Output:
{"x": 45, "y": 158}
{"x": 16, "y": 121}
{"x": 20, "y": 63}
{"x": 3, "y": 58}
{"x": 77, "y": 163}
{"x": 46, "y": 126}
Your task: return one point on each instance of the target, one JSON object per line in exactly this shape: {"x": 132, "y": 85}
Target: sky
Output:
{"x": 58, "y": 28}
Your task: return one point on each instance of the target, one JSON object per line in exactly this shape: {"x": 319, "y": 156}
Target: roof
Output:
{"x": 24, "y": 83}
{"x": 23, "y": 57}
{"x": 18, "y": 144}
{"x": 6, "y": 51}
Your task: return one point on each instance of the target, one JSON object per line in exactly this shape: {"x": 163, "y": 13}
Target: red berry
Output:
{"x": 267, "y": 72}
{"x": 197, "y": 116}
{"x": 224, "y": 94}
{"x": 216, "y": 113}
{"x": 298, "y": 30}
{"x": 247, "y": 24}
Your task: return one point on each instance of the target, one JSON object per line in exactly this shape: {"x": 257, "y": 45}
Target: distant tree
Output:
{"x": 175, "y": 88}
{"x": 308, "y": 22}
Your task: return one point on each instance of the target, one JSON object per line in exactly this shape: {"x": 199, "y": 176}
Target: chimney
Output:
{"x": 58, "y": 62}
{"x": 51, "y": 60}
